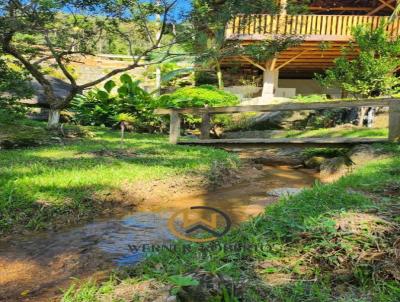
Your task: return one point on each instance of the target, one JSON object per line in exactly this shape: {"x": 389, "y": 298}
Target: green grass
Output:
{"x": 331, "y": 243}
{"x": 41, "y": 185}
{"x": 20, "y": 132}
{"x": 336, "y": 132}
{"x": 317, "y": 98}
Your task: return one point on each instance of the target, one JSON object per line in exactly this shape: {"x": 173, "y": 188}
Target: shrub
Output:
{"x": 198, "y": 97}
{"x": 101, "y": 106}
{"x": 311, "y": 98}
{"x": 371, "y": 72}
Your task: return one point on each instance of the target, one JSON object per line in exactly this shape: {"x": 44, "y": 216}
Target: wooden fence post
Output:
{"x": 394, "y": 121}
{"x": 174, "y": 127}
{"x": 205, "y": 126}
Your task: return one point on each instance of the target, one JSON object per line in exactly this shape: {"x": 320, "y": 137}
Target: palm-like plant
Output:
{"x": 396, "y": 11}
{"x": 124, "y": 119}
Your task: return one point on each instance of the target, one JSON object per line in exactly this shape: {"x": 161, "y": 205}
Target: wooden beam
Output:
{"x": 205, "y": 126}
{"x": 394, "y": 121}
{"x": 277, "y": 141}
{"x": 315, "y": 8}
{"x": 387, "y": 4}
{"x": 379, "y": 8}
{"x": 291, "y": 60}
{"x": 283, "y": 107}
{"x": 174, "y": 127}
{"x": 253, "y": 63}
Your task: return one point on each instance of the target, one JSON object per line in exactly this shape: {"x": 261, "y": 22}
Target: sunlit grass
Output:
{"x": 336, "y": 132}
{"x": 64, "y": 178}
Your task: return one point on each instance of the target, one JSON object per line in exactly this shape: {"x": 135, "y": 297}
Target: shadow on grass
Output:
{"x": 55, "y": 179}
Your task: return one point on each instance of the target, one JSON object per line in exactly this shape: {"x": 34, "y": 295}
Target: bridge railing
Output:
{"x": 312, "y": 27}
{"x": 207, "y": 112}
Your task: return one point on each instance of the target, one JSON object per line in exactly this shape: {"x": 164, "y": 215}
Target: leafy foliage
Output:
{"x": 47, "y": 33}
{"x": 103, "y": 106}
{"x": 125, "y": 117}
{"x": 209, "y": 45}
{"x": 13, "y": 87}
{"x": 204, "y": 95}
{"x": 371, "y": 73}
{"x": 172, "y": 74}
{"x": 198, "y": 97}
{"x": 312, "y": 98}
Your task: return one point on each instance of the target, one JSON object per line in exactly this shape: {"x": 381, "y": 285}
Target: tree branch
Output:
{"x": 59, "y": 61}
{"x": 48, "y": 89}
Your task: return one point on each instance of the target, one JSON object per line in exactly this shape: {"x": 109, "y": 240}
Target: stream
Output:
{"x": 36, "y": 267}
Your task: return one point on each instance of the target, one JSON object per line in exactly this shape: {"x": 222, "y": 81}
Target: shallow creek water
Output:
{"x": 35, "y": 267}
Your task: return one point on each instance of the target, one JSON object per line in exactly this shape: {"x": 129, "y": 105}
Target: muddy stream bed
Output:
{"x": 37, "y": 267}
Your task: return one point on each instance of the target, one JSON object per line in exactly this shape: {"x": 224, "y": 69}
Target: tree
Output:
{"x": 371, "y": 72}
{"x": 209, "y": 19}
{"x": 66, "y": 28}
{"x": 396, "y": 11}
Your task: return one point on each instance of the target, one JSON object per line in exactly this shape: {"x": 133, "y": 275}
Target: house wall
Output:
{"x": 308, "y": 86}
{"x": 286, "y": 86}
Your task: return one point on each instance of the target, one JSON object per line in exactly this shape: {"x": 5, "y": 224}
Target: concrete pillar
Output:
{"x": 270, "y": 84}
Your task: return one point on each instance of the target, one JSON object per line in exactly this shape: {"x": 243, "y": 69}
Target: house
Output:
{"x": 324, "y": 30}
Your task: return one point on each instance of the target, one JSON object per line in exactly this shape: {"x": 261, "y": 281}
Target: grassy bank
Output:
{"x": 22, "y": 133}
{"x": 336, "y": 242}
{"x": 337, "y": 132}
{"x": 62, "y": 181}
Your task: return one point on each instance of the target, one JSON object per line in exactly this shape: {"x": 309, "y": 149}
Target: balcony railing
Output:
{"x": 311, "y": 27}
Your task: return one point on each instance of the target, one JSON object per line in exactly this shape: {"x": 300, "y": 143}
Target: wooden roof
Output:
{"x": 352, "y": 7}
{"x": 307, "y": 58}
{"x": 324, "y": 37}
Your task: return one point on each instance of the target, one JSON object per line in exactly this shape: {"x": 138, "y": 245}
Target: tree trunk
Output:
{"x": 54, "y": 119}
{"x": 122, "y": 125}
{"x": 219, "y": 76}
{"x": 158, "y": 81}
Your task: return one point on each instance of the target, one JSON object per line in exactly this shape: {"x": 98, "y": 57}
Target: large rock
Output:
{"x": 334, "y": 168}
{"x": 363, "y": 154}
{"x": 61, "y": 90}
{"x": 314, "y": 162}
{"x": 284, "y": 192}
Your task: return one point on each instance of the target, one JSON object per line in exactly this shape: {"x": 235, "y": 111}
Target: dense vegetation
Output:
{"x": 371, "y": 72}
{"x": 205, "y": 95}
{"x": 101, "y": 107}
{"x": 13, "y": 88}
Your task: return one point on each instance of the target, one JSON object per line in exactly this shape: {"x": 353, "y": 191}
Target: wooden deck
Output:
{"x": 309, "y": 27}
{"x": 310, "y": 56}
